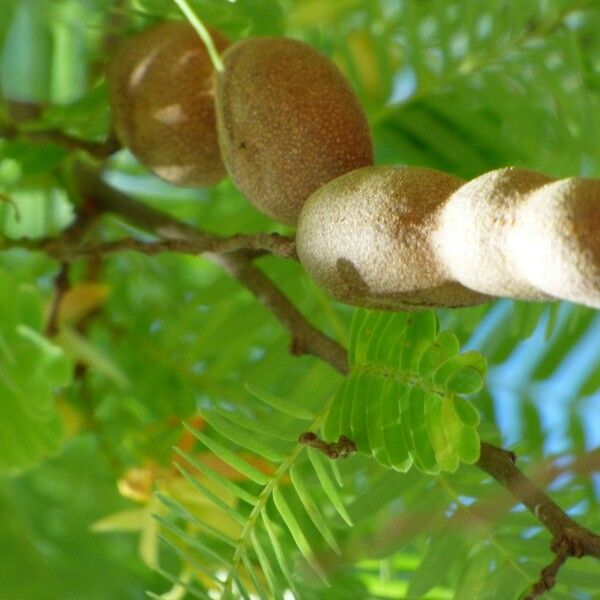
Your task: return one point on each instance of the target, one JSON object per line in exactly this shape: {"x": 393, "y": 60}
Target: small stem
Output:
{"x": 343, "y": 448}
{"x": 98, "y": 150}
{"x": 65, "y": 251}
{"x": 203, "y": 33}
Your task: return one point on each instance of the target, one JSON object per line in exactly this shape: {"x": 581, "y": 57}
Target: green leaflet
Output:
{"x": 192, "y": 542}
{"x": 265, "y": 564}
{"x": 235, "y": 489}
{"x": 214, "y": 498}
{"x": 278, "y": 551}
{"x": 327, "y": 484}
{"x": 284, "y": 406}
{"x": 401, "y": 403}
{"x": 176, "y": 510}
{"x": 260, "y": 445}
{"x": 187, "y": 555}
{"x": 289, "y": 517}
{"x": 231, "y": 458}
{"x": 179, "y": 582}
{"x": 254, "y": 576}
{"x": 312, "y": 509}
{"x": 395, "y": 444}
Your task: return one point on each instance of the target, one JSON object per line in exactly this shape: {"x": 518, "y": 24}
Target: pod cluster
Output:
{"x": 287, "y": 121}
{"x": 282, "y": 121}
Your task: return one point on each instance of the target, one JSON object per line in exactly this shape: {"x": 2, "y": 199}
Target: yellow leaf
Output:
{"x": 80, "y": 301}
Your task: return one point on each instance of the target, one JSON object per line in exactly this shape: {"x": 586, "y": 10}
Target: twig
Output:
{"x": 305, "y": 338}
{"x": 273, "y": 243}
{"x": 548, "y": 575}
{"x": 343, "y": 448}
{"x": 497, "y": 463}
{"x": 99, "y": 150}
{"x": 568, "y": 537}
{"x": 66, "y": 252}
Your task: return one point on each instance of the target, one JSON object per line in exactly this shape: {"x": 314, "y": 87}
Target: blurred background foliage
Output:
{"x": 89, "y": 414}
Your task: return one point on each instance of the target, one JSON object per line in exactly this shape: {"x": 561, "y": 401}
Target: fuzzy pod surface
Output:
{"x": 478, "y": 239}
{"x": 288, "y": 122}
{"x": 366, "y": 237}
{"x": 521, "y": 234}
{"x": 160, "y": 87}
{"x": 558, "y": 234}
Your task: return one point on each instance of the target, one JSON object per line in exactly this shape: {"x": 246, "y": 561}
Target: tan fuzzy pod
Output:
{"x": 475, "y": 237}
{"x": 160, "y": 86}
{"x": 557, "y": 240}
{"x": 288, "y": 123}
{"x": 366, "y": 238}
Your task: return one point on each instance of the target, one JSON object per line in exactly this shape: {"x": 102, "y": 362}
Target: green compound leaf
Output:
{"x": 275, "y": 474}
{"x": 32, "y": 370}
{"x": 401, "y": 403}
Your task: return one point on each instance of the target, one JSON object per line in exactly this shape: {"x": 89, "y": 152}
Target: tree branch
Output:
{"x": 568, "y": 537}
{"x": 306, "y": 339}
{"x": 548, "y": 575}
{"x": 62, "y": 250}
{"x": 60, "y": 138}
{"x": 501, "y": 466}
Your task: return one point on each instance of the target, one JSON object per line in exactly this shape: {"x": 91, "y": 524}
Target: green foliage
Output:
{"x": 400, "y": 403}
{"x": 31, "y": 371}
{"x": 89, "y": 418}
{"x": 277, "y": 483}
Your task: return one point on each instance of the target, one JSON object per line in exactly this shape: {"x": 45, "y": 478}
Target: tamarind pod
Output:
{"x": 408, "y": 238}
{"x": 366, "y": 238}
{"x": 160, "y": 89}
{"x": 475, "y": 237}
{"x": 520, "y": 234}
{"x": 556, "y": 242}
{"x": 288, "y": 122}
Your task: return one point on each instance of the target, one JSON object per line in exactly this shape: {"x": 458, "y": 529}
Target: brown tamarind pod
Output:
{"x": 160, "y": 87}
{"x": 366, "y": 237}
{"x": 288, "y": 123}
{"x": 556, "y": 242}
{"x": 477, "y": 236}
{"x": 530, "y": 236}
{"x": 410, "y": 237}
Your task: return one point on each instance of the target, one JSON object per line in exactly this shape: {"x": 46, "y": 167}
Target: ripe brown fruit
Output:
{"x": 160, "y": 86}
{"x": 288, "y": 123}
{"x": 366, "y": 237}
